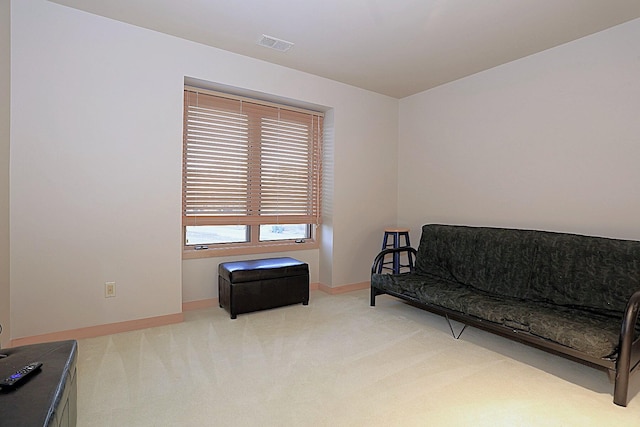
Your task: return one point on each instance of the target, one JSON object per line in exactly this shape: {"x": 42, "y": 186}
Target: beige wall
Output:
{"x": 5, "y": 102}
{"x": 551, "y": 141}
{"x": 96, "y": 168}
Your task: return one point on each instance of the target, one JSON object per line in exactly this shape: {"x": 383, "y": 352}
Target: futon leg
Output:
{"x": 621, "y": 388}
{"x": 451, "y": 327}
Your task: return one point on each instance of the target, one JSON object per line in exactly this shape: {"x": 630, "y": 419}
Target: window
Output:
{"x": 251, "y": 173}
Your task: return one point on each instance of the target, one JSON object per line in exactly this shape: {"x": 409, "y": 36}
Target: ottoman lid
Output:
{"x": 262, "y": 269}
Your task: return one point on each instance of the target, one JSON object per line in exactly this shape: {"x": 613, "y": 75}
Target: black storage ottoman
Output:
{"x": 260, "y": 284}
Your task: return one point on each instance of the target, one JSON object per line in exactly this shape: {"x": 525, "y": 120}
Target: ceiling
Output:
{"x": 393, "y": 47}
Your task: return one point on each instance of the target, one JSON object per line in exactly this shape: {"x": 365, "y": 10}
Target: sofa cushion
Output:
{"x": 493, "y": 260}
{"x": 405, "y": 284}
{"x": 582, "y": 271}
{"x": 591, "y": 333}
{"x": 453, "y": 296}
{"x": 565, "y": 269}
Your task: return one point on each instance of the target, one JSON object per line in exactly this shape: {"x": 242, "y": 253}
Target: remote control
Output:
{"x": 20, "y": 375}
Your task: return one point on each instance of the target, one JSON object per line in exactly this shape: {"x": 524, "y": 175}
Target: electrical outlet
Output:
{"x": 109, "y": 289}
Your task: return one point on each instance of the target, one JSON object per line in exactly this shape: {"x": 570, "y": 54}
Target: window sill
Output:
{"x": 190, "y": 253}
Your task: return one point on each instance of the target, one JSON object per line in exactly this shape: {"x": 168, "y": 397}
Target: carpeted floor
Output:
{"x": 335, "y": 362}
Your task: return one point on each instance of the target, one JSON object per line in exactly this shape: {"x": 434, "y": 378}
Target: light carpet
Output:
{"x": 335, "y": 362}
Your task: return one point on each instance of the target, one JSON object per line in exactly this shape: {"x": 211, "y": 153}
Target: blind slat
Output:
{"x": 249, "y": 164}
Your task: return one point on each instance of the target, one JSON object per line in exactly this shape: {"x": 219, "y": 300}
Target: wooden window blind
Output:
{"x": 249, "y": 163}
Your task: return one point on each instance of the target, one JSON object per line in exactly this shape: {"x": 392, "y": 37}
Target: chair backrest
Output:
{"x": 565, "y": 269}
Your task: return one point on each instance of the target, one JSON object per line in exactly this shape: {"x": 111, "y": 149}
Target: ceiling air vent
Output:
{"x": 274, "y": 43}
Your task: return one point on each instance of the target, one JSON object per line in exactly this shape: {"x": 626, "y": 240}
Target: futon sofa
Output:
{"x": 575, "y": 296}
